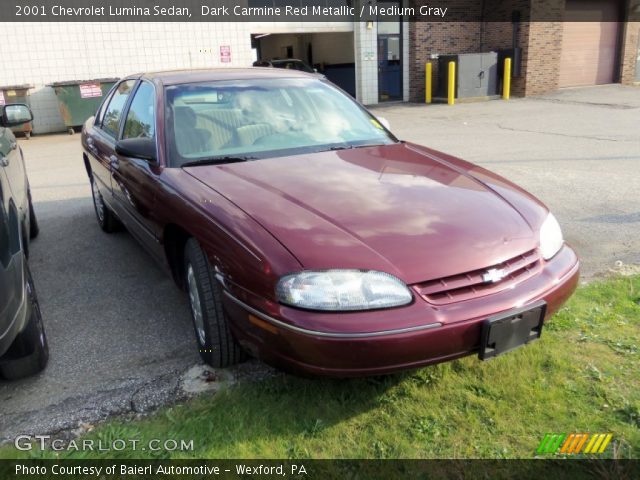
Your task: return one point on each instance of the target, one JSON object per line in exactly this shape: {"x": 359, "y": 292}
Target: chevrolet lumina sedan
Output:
{"x": 307, "y": 235}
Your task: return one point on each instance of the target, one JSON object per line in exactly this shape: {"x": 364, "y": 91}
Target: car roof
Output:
{"x": 175, "y": 77}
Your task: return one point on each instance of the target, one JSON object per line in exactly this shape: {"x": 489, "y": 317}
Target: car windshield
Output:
{"x": 262, "y": 118}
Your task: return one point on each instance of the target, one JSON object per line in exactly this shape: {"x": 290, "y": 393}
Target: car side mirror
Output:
{"x": 15, "y": 114}
{"x": 143, "y": 148}
{"x": 384, "y": 122}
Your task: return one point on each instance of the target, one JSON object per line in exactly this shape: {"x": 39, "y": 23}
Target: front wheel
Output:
{"x": 29, "y": 352}
{"x": 106, "y": 219}
{"x": 217, "y": 346}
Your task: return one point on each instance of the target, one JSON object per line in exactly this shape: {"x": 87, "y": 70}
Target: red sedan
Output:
{"x": 306, "y": 234}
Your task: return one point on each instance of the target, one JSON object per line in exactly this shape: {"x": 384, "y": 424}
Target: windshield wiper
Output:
{"x": 218, "y": 160}
{"x": 365, "y": 145}
{"x": 350, "y": 147}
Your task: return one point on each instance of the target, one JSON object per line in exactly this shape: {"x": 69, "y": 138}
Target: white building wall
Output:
{"x": 405, "y": 61}
{"x": 55, "y": 52}
{"x": 44, "y": 53}
{"x": 366, "y": 56}
{"x": 300, "y": 27}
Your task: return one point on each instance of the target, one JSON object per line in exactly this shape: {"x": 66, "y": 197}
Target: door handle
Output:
{"x": 113, "y": 161}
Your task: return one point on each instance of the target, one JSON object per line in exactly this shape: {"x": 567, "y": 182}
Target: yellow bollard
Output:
{"x": 427, "y": 83}
{"x": 506, "y": 84}
{"x": 452, "y": 83}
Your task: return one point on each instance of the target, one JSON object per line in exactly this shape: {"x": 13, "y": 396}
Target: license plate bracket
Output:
{"x": 507, "y": 331}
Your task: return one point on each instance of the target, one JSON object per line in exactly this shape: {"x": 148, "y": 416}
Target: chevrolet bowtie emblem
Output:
{"x": 493, "y": 275}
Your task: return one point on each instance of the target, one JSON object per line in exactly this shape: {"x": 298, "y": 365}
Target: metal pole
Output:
{"x": 427, "y": 83}
{"x": 506, "y": 84}
{"x": 452, "y": 83}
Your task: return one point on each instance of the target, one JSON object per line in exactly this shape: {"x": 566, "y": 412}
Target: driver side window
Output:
{"x": 113, "y": 112}
{"x": 140, "y": 122}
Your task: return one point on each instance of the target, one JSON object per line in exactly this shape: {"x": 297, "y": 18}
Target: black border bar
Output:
{"x": 557, "y": 469}
{"x": 310, "y": 11}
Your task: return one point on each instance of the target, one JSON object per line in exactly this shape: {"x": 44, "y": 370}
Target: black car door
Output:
{"x": 133, "y": 179}
{"x": 101, "y": 139}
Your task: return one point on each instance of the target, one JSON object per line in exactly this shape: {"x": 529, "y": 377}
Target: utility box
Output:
{"x": 476, "y": 74}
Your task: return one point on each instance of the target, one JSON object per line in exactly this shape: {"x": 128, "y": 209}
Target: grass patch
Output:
{"x": 582, "y": 376}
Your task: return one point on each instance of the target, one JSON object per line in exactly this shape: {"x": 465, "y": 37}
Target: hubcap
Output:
{"x": 97, "y": 201}
{"x": 196, "y": 308}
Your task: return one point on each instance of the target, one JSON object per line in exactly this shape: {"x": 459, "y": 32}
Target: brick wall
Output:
{"x": 437, "y": 38}
{"x": 499, "y": 35}
{"x": 541, "y": 59}
{"x": 630, "y": 52}
{"x": 464, "y": 37}
{"x": 541, "y": 44}
{"x": 427, "y": 38}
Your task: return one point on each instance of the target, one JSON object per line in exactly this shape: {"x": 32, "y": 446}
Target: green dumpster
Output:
{"x": 79, "y": 99}
{"x": 17, "y": 94}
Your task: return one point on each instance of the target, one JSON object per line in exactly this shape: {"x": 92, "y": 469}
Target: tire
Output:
{"x": 216, "y": 344}
{"x": 34, "y": 228}
{"x": 26, "y": 242}
{"x": 29, "y": 352}
{"x": 106, "y": 219}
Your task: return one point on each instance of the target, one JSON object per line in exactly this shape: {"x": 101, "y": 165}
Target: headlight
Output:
{"x": 339, "y": 290}
{"x": 550, "y": 237}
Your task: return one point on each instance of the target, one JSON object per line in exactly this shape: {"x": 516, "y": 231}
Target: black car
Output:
{"x": 23, "y": 344}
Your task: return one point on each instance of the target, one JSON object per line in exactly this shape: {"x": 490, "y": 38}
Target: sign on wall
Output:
{"x": 90, "y": 90}
{"x": 225, "y": 53}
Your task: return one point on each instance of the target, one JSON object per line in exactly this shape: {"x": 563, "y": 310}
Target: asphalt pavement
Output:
{"x": 119, "y": 329}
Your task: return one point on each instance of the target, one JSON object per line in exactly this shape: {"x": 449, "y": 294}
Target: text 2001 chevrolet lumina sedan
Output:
{"x": 307, "y": 235}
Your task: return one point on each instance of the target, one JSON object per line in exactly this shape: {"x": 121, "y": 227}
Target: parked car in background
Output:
{"x": 293, "y": 64}
{"x": 308, "y": 235}
{"x": 23, "y": 344}
{"x": 287, "y": 63}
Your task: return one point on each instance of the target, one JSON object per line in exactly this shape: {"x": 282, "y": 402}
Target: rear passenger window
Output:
{"x": 113, "y": 112}
{"x": 140, "y": 119}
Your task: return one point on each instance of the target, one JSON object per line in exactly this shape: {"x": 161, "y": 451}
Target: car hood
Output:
{"x": 395, "y": 208}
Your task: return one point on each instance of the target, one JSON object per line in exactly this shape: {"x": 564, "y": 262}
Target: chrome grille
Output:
{"x": 466, "y": 286}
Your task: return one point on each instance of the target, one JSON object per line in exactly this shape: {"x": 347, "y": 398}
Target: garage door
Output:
{"x": 589, "y": 48}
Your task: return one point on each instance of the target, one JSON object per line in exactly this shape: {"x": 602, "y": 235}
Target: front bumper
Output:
{"x": 380, "y": 342}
